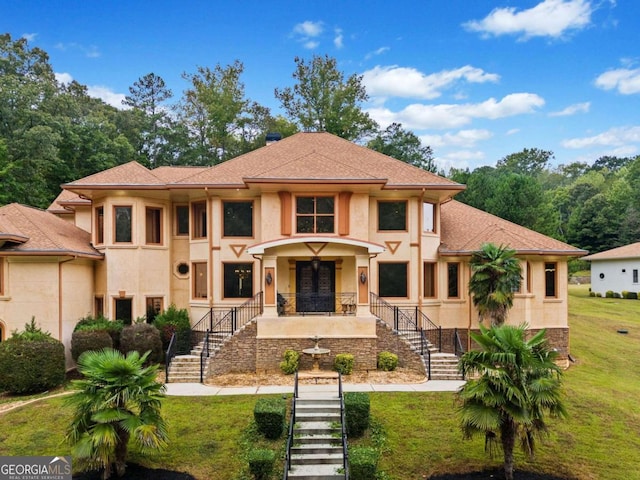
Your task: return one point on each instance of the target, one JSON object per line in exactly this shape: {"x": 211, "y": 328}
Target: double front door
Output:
{"x": 315, "y": 286}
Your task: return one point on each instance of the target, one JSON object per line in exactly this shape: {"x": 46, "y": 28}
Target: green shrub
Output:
{"x": 174, "y": 320}
{"x": 357, "y": 408}
{"x": 609, "y": 294}
{"x": 142, "y": 337}
{"x": 387, "y": 361}
{"x": 599, "y": 295}
{"x": 592, "y": 294}
{"x": 363, "y": 463}
{"x": 616, "y": 295}
{"x": 84, "y": 340}
{"x": 290, "y": 363}
{"x": 261, "y": 463}
{"x": 632, "y": 295}
{"x": 343, "y": 363}
{"x": 113, "y": 328}
{"x": 31, "y": 361}
{"x": 269, "y": 414}
{"x": 625, "y": 294}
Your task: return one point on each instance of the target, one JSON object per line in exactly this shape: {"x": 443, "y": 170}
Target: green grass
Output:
{"x": 600, "y": 440}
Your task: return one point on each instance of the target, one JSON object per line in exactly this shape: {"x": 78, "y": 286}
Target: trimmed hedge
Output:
{"x": 261, "y": 463}
{"x": 269, "y": 414}
{"x": 174, "y": 320}
{"x": 363, "y": 463}
{"x": 387, "y": 361}
{"x": 142, "y": 338}
{"x": 343, "y": 363}
{"x": 113, "y": 328}
{"x": 85, "y": 340}
{"x": 290, "y": 363}
{"x": 357, "y": 408}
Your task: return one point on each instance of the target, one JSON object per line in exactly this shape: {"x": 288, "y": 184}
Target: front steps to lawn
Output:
{"x": 444, "y": 366}
{"x": 186, "y": 368}
{"x": 316, "y": 451}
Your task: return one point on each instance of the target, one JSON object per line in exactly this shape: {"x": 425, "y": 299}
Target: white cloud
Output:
{"x": 338, "y": 40}
{"x": 29, "y": 37}
{"x": 549, "y": 18}
{"x": 90, "y": 51}
{"x": 107, "y": 95}
{"x": 460, "y": 159}
{"x": 462, "y": 138}
{"x": 377, "y": 52}
{"x": 625, "y": 80}
{"x": 443, "y": 116}
{"x": 308, "y": 29}
{"x": 64, "y": 78}
{"x": 614, "y": 137}
{"x": 311, "y": 44}
{"x": 408, "y": 82}
{"x": 572, "y": 110}
{"x": 513, "y": 131}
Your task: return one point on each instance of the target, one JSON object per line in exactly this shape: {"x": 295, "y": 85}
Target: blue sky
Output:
{"x": 476, "y": 80}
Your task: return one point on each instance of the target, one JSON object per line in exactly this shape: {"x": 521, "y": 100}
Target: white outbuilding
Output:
{"x": 616, "y": 270}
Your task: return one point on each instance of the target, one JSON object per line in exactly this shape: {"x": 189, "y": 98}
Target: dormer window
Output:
{"x": 315, "y": 214}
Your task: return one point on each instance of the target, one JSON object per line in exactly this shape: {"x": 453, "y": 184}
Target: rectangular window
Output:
{"x": 1, "y": 275}
{"x": 238, "y": 280}
{"x": 393, "y": 279}
{"x": 237, "y": 219}
{"x": 182, "y": 220}
{"x": 453, "y": 280}
{"x": 529, "y": 277}
{"x": 315, "y": 215}
{"x": 199, "y": 279}
{"x": 635, "y": 276}
{"x": 153, "y": 226}
{"x": 124, "y": 310}
{"x": 98, "y": 306}
{"x": 122, "y": 224}
{"x": 392, "y": 215}
{"x": 199, "y": 211}
{"x": 430, "y": 270}
{"x": 154, "y": 307}
{"x": 550, "y": 279}
{"x": 99, "y": 225}
{"x": 428, "y": 217}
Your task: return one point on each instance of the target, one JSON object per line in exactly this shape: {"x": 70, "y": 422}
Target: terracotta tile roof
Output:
{"x": 129, "y": 174}
{"x": 464, "y": 230}
{"x": 309, "y": 157}
{"x": 627, "y": 251}
{"x": 42, "y": 233}
{"x": 67, "y": 199}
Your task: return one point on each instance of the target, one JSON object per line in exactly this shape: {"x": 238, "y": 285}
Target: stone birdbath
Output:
{"x": 316, "y": 352}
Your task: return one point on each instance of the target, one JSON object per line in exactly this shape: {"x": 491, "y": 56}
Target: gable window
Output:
{"x": 237, "y": 218}
{"x": 238, "y": 280}
{"x": 182, "y": 220}
{"x": 430, "y": 269}
{"x": 453, "y": 280}
{"x": 122, "y": 224}
{"x": 392, "y": 279}
{"x": 124, "y": 310}
{"x": 99, "y": 225}
{"x": 428, "y": 217}
{"x": 199, "y": 212}
{"x": 199, "y": 279}
{"x": 315, "y": 215}
{"x": 153, "y": 225}
{"x": 635, "y": 275}
{"x": 550, "y": 279}
{"x": 392, "y": 215}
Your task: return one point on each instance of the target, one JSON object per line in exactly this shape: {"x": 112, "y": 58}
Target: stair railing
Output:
{"x": 292, "y": 422}
{"x": 204, "y": 354}
{"x": 169, "y": 354}
{"x": 343, "y": 421}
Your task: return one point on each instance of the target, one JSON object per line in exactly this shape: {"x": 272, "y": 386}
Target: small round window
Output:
{"x": 602, "y": 275}
{"x": 183, "y": 268}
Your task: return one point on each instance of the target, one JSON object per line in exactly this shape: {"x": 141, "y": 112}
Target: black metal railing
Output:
{"x": 204, "y": 354}
{"x": 169, "y": 354}
{"x": 343, "y": 421}
{"x": 340, "y": 303}
{"x": 292, "y": 422}
{"x": 458, "y": 349}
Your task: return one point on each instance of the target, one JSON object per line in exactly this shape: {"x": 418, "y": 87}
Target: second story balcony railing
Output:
{"x": 329, "y": 303}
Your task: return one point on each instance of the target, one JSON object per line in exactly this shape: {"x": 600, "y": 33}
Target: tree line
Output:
{"x": 53, "y": 133}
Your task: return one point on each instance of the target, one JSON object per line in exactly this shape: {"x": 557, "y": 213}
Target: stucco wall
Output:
{"x": 617, "y": 276}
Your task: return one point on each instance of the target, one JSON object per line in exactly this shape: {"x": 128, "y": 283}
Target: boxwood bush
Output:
{"x": 31, "y": 361}
{"x": 84, "y": 340}
{"x": 343, "y": 363}
{"x": 142, "y": 338}
{"x": 363, "y": 463}
{"x": 290, "y": 363}
{"x": 387, "y": 361}
{"x": 357, "y": 408}
{"x": 174, "y": 320}
{"x": 113, "y": 328}
{"x": 261, "y": 463}
{"x": 269, "y": 414}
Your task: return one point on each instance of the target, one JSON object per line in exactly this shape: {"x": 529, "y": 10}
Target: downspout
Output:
{"x": 470, "y": 310}
{"x": 210, "y": 242}
{"x": 420, "y": 262}
{"x": 60, "y": 294}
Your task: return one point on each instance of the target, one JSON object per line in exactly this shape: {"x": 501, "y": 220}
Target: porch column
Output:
{"x": 362, "y": 281}
{"x": 269, "y": 285}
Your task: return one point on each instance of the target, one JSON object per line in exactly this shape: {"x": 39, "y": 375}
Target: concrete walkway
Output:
{"x": 198, "y": 389}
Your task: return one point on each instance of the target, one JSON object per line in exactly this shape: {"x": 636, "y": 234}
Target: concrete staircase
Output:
{"x": 186, "y": 368}
{"x": 444, "y": 366}
{"x": 317, "y": 452}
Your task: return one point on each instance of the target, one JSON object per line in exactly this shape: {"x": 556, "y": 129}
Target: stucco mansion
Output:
{"x": 319, "y": 234}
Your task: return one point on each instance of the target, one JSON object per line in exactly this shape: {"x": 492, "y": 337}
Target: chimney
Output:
{"x": 272, "y": 138}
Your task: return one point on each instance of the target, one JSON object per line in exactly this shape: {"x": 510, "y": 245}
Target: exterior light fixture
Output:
{"x": 363, "y": 278}
{"x": 315, "y": 263}
{"x": 268, "y": 278}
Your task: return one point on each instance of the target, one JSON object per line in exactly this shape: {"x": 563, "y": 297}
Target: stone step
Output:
{"x": 317, "y": 407}
{"x": 317, "y": 458}
{"x": 317, "y": 428}
{"x": 316, "y": 472}
{"x": 318, "y": 439}
{"x": 317, "y": 448}
{"x": 329, "y": 417}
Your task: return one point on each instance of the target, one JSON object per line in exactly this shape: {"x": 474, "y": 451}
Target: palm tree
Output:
{"x": 515, "y": 383}
{"x": 496, "y": 274}
{"x": 118, "y": 399}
